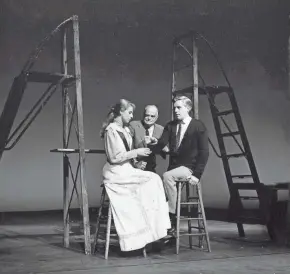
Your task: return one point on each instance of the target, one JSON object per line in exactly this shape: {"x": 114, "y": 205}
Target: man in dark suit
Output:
{"x": 142, "y": 131}
{"x": 188, "y": 147}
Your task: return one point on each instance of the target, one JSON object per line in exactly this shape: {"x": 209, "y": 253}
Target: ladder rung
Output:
{"x": 189, "y": 219}
{"x": 229, "y": 134}
{"x": 104, "y": 226}
{"x": 241, "y": 176}
{"x": 224, "y": 113}
{"x": 189, "y": 203}
{"x": 103, "y": 237}
{"x": 193, "y": 198}
{"x": 196, "y": 227}
{"x": 214, "y": 90}
{"x": 191, "y": 234}
{"x": 249, "y": 198}
{"x": 247, "y": 186}
{"x": 236, "y": 155}
{"x": 203, "y": 90}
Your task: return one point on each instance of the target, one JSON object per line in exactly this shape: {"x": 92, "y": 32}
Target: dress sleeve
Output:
{"x": 115, "y": 151}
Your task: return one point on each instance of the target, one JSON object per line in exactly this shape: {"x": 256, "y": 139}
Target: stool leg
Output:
{"x": 199, "y": 222}
{"x": 144, "y": 252}
{"x": 199, "y": 216}
{"x": 203, "y": 216}
{"x": 188, "y": 214}
{"x": 108, "y": 233}
{"x": 178, "y": 216}
{"x": 98, "y": 220}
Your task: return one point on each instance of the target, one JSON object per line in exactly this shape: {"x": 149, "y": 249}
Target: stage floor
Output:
{"x": 35, "y": 246}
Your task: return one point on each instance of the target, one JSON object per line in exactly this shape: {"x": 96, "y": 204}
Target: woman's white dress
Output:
{"x": 139, "y": 206}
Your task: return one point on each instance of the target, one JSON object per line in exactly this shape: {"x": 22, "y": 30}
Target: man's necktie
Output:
{"x": 178, "y": 135}
{"x": 147, "y": 132}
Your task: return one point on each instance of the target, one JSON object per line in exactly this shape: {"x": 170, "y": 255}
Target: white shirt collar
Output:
{"x": 186, "y": 120}
{"x": 151, "y": 126}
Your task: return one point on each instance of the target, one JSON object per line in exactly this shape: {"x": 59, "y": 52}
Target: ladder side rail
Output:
{"x": 10, "y": 109}
{"x": 235, "y": 200}
{"x": 244, "y": 138}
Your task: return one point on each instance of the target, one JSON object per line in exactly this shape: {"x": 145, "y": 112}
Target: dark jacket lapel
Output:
{"x": 173, "y": 136}
{"x": 187, "y": 133}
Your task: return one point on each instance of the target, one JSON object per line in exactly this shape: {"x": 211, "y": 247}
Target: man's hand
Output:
{"x": 193, "y": 180}
{"x": 141, "y": 165}
{"x": 165, "y": 149}
{"x": 147, "y": 140}
{"x": 150, "y": 140}
{"x": 153, "y": 140}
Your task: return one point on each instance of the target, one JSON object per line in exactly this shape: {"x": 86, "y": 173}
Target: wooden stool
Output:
{"x": 106, "y": 219}
{"x": 190, "y": 202}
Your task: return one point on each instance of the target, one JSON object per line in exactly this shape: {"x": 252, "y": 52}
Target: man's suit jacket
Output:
{"x": 193, "y": 151}
{"x": 138, "y": 133}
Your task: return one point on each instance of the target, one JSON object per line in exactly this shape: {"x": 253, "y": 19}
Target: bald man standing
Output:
{"x": 142, "y": 129}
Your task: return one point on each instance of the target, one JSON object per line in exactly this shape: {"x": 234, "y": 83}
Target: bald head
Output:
{"x": 150, "y": 115}
{"x": 151, "y": 108}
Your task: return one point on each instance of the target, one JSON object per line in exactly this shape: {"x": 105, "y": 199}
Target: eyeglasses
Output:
{"x": 150, "y": 115}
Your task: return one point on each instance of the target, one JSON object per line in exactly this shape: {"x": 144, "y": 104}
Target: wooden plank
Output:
{"x": 203, "y": 91}
{"x": 81, "y": 140}
{"x": 71, "y": 151}
{"x": 43, "y": 77}
{"x": 281, "y": 185}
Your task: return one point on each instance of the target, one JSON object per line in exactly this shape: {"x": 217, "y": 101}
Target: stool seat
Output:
{"x": 190, "y": 203}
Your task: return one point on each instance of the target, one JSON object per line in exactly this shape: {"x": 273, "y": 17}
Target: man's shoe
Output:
{"x": 169, "y": 240}
{"x": 171, "y": 232}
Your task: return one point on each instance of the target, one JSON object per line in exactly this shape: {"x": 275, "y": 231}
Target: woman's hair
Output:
{"x": 114, "y": 112}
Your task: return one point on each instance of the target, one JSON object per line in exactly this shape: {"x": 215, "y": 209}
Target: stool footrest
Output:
{"x": 103, "y": 238}
{"x": 189, "y": 219}
{"x": 189, "y": 203}
{"x": 191, "y": 234}
{"x": 197, "y": 227}
{"x": 195, "y": 214}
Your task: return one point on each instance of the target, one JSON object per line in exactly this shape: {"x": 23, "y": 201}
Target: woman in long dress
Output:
{"x": 137, "y": 197}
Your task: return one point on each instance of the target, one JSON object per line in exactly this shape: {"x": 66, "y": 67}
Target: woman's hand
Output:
{"x": 143, "y": 152}
{"x": 141, "y": 165}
